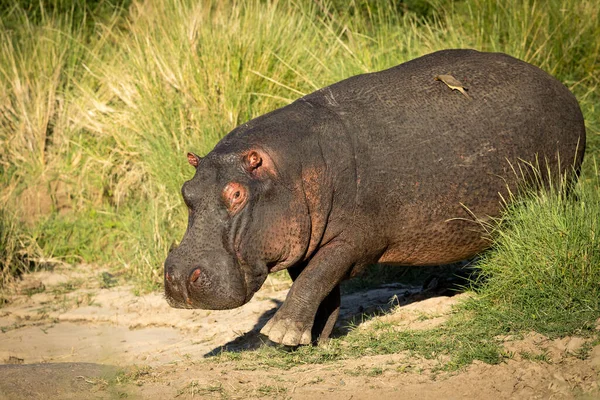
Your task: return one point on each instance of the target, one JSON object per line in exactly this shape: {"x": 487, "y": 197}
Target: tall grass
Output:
{"x": 96, "y": 116}
{"x": 46, "y": 173}
{"x": 37, "y": 65}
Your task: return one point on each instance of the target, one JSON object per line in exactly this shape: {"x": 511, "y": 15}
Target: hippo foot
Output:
{"x": 287, "y": 332}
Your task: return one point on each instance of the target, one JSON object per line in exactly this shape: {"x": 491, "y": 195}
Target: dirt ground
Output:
{"x": 65, "y": 335}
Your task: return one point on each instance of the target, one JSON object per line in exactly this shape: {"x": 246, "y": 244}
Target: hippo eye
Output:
{"x": 234, "y": 196}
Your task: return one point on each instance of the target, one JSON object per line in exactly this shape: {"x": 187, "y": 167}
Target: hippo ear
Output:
{"x": 193, "y": 159}
{"x": 253, "y": 160}
{"x": 258, "y": 164}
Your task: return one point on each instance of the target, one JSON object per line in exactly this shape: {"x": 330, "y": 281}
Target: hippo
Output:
{"x": 394, "y": 167}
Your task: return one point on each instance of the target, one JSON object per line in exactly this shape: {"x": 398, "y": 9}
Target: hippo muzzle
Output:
{"x": 212, "y": 282}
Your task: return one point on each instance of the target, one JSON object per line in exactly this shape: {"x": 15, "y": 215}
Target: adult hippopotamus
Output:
{"x": 386, "y": 167}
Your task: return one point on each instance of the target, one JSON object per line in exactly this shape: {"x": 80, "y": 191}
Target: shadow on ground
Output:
{"x": 250, "y": 340}
{"x": 379, "y": 289}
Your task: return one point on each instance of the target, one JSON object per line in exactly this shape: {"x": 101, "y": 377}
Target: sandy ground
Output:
{"x": 76, "y": 339}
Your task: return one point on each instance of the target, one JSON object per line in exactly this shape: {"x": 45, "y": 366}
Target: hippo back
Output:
{"x": 429, "y": 158}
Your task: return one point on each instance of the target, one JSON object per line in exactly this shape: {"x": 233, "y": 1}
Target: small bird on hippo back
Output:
{"x": 390, "y": 167}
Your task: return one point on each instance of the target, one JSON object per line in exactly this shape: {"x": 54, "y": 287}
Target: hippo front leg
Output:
{"x": 313, "y": 296}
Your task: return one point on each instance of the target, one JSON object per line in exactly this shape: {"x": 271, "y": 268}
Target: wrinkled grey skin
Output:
{"x": 386, "y": 167}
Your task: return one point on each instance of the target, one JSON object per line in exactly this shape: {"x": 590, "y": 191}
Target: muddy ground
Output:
{"x": 67, "y": 334}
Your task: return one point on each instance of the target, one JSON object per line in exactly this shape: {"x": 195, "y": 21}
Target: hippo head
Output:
{"x": 244, "y": 222}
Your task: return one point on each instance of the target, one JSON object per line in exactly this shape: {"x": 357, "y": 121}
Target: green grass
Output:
{"x": 543, "y": 272}
{"x": 453, "y": 345}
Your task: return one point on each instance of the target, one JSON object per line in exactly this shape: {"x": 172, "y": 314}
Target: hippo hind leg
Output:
{"x": 328, "y": 311}
{"x": 327, "y": 315}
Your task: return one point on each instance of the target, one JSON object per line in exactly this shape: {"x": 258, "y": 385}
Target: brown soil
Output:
{"x": 75, "y": 339}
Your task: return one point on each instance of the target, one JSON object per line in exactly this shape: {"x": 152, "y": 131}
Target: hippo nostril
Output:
{"x": 195, "y": 275}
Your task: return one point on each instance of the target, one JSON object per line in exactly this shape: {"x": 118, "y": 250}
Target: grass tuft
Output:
{"x": 543, "y": 272}
{"x": 18, "y": 254}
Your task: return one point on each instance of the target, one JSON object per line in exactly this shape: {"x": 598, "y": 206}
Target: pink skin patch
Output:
{"x": 193, "y": 159}
{"x": 234, "y": 196}
{"x": 258, "y": 164}
{"x": 195, "y": 275}
{"x": 253, "y": 161}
